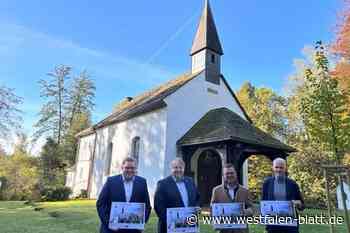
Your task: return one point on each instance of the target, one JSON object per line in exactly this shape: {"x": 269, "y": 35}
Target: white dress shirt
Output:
{"x": 183, "y": 191}
{"x": 231, "y": 191}
{"x": 128, "y": 185}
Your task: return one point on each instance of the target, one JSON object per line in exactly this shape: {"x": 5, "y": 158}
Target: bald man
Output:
{"x": 281, "y": 188}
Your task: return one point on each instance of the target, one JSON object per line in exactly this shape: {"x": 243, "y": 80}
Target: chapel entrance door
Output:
{"x": 208, "y": 175}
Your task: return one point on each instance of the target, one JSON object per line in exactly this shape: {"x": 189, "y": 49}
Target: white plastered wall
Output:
{"x": 188, "y": 105}
{"x": 151, "y": 128}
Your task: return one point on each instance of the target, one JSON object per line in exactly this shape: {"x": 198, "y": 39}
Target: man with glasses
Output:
{"x": 126, "y": 187}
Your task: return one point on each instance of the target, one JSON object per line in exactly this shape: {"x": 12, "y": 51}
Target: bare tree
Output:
{"x": 10, "y": 115}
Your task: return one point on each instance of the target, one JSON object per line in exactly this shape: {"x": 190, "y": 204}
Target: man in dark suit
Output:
{"x": 174, "y": 191}
{"x": 280, "y": 187}
{"x": 126, "y": 187}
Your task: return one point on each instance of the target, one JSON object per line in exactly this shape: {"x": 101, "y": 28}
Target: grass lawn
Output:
{"x": 81, "y": 217}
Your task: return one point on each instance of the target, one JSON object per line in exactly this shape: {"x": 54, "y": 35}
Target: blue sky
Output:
{"x": 131, "y": 46}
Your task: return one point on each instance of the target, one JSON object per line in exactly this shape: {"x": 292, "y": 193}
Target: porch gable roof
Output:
{"x": 223, "y": 124}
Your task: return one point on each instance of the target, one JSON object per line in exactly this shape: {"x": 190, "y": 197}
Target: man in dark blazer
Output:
{"x": 280, "y": 187}
{"x": 126, "y": 187}
{"x": 174, "y": 191}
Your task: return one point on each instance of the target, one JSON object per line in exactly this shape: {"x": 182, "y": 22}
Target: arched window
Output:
{"x": 135, "y": 148}
{"x": 108, "y": 160}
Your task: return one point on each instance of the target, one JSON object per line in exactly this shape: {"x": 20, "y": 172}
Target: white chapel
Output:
{"x": 195, "y": 116}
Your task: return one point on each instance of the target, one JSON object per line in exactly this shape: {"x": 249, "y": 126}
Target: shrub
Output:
{"x": 83, "y": 194}
{"x": 2, "y": 188}
{"x": 56, "y": 194}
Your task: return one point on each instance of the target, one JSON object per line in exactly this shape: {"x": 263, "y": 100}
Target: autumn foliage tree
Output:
{"x": 266, "y": 109}
{"x": 341, "y": 45}
{"x": 341, "y": 49}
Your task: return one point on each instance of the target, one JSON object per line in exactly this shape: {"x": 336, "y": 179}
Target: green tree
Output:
{"x": 304, "y": 166}
{"x": 311, "y": 87}
{"x": 66, "y": 112}
{"x": 81, "y": 97}
{"x": 52, "y": 116}
{"x": 325, "y": 104}
{"x": 79, "y": 107}
{"x": 52, "y": 164}
{"x": 80, "y": 122}
{"x": 69, "y": 102}
{"x": 20, "y": 171}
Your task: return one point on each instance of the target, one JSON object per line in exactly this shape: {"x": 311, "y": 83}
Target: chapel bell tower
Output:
{"x": 206, "y": 49}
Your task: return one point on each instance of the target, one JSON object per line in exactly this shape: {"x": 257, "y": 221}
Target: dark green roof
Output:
{"x": 146, "y": 102}
{"x": 223, "y": 124}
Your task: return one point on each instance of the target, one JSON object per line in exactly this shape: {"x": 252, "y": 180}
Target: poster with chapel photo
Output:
{"x": 273, "y": 210}
{"x": 228, "y": 214}
{"x": 127, "y": 215}
{"x": 178, "y": 220}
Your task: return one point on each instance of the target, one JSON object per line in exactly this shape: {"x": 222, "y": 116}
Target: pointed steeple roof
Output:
{"x": 206, "y": 36}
